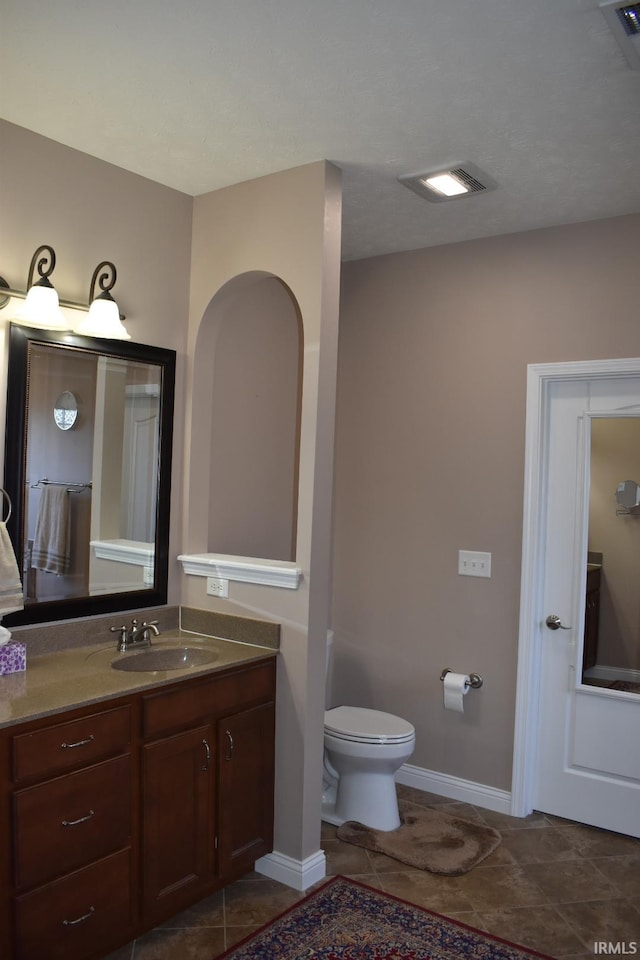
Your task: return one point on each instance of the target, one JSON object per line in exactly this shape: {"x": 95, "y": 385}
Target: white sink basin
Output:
{"x": 165, "y": 658}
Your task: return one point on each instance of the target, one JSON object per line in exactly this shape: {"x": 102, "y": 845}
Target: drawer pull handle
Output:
{"x": 85, "y": 916}
{"x": 74, "y": 823}
{"x": 207, "y": 761}
{"x": 80, "y": 743}
{"x": 230, "y": 738}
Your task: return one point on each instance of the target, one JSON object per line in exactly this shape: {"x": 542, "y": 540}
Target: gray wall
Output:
{"x": 430, "y": 418}
{"x": 90, "y": 211}
{"x": 433, "y": 351}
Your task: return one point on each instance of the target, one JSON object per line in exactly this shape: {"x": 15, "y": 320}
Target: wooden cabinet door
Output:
{"x": 178, "y": 809}
{"x": 246, "y": 775}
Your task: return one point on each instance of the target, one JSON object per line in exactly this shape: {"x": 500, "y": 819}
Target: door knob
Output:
{"x": 554, "y": 622}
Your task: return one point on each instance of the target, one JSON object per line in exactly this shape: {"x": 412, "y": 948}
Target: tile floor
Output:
{"x": 552, "y": 885}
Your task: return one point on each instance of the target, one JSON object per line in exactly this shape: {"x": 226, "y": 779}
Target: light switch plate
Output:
{"x": 472, "y": 563}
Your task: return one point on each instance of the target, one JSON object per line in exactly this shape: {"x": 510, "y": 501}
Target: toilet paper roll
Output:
{"x": 456, "y": 686}
{"x": 5, "y": 636}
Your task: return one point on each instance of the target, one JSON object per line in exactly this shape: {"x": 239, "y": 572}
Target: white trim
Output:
{"x": 125, "y": 551}
{"x": 270, "y": 573}
{"x": 539, "y": 378}
{"x": 602, "y": 672}
{"x": 117, "y": 587}
{"x": 446, "y": 785}
{"x": 299, "y": 874}
{"x": 142, "y": 389}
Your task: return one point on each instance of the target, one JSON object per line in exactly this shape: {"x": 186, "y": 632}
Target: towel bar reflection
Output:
{"x": 6, "y": 497}
{"x": 71, "y": 485}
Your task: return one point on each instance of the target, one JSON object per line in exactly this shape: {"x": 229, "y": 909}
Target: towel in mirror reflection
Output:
{"x": 52, "y": 540}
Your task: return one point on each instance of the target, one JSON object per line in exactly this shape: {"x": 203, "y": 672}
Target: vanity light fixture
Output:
{"x": 41, "y": 308}
{"x": 452, "y": 183}
{"x": 103, "y": 319}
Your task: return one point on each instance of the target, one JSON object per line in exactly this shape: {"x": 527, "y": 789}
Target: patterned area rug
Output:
{"x": 345, "y": 920}
{"x": 428, "y": 839}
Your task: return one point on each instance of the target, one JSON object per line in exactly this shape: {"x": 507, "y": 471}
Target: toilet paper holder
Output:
{"x": 475, "y": 680}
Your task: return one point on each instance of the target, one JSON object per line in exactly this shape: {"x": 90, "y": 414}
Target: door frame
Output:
{"x": 539, "y": 379}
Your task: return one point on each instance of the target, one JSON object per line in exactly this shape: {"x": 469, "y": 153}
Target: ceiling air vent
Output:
{"x": 451, "y": 183}
{"x": 624, "y": 22}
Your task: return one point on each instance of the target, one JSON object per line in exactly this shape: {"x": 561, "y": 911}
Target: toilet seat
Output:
{"x": 361, "y": 725}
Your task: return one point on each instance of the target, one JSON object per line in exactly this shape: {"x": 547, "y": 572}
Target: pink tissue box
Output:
{"x": 13, "y": 657}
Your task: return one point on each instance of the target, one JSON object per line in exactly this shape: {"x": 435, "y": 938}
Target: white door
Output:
{"x": 140, "y": 466}
{"x": 583, "y": 740}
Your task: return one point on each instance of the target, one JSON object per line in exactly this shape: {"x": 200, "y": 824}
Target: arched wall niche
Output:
{"x": 247, "y": 395}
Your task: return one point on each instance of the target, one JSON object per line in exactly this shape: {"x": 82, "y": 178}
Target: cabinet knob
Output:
{"x": 230, "y": 739}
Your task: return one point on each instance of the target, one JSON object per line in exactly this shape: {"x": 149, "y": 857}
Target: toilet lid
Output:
{"x": 367, "y": 726}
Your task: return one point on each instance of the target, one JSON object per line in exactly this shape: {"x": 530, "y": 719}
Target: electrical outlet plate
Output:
{"x": 472, "y": 563}
{"x": 217, "y": 587}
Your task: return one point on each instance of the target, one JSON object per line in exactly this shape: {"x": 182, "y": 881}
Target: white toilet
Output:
{"x": 362, "y": 751}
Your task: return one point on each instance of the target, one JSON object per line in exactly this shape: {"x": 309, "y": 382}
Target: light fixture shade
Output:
{"x": 41, "y": 309}
{"x": 102, "y": 320}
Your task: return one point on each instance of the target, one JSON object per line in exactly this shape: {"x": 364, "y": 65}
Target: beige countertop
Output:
{"x": 83, "y": 675}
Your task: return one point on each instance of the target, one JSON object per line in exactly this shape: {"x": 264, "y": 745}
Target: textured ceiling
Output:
{"x": 199, "y": 94}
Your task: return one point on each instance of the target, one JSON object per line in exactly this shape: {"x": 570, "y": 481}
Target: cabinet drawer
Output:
{"x": 74, "y": 917}
{"x": 192, "y": 702}
{"x": 66, "y": 823}
{"x": 66, "y": 745}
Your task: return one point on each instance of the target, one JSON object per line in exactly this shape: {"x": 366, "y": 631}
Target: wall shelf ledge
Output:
{"x": 125, "y": 551}
{"x": 270, "y": 573}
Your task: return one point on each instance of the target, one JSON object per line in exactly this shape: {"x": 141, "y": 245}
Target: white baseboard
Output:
{"x": 299, "y": 874}
{"x": 302, "y": 874}
{"x": 445, "y": 785}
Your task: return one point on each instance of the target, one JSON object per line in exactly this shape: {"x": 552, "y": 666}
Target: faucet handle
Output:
{"x": 122, "y": 639}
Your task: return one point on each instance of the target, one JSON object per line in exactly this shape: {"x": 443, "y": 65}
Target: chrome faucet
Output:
{"x": 138, "y": 634}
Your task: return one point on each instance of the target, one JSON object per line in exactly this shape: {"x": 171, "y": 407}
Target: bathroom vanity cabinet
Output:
{"x": 207, "y": 782}
{"x": 118, "y": 815}
{"x": 71, "y": 822}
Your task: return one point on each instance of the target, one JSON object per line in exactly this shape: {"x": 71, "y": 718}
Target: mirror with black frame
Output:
{"x": 90, "y": 518}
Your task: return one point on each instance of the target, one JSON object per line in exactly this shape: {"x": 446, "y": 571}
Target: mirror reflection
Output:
{"x": 65, "y": 411}
{"x": 91, "y": 528}
{"x": 612, "y": 608}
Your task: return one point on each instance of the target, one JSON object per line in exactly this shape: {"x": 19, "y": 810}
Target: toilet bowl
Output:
{"x": 362, "y": 751}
